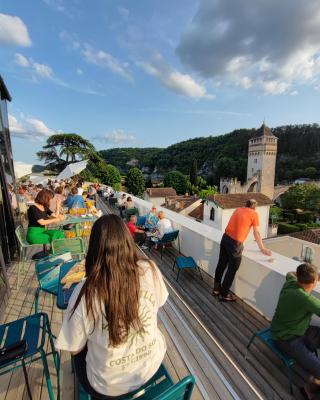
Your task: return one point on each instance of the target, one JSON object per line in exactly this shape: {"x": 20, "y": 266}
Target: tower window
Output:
{"x": 255, "y": 161}
{"x": 212, "y": 214}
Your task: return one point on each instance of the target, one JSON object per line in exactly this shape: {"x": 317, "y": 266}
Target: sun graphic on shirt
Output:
{"x": 135, "y": 335}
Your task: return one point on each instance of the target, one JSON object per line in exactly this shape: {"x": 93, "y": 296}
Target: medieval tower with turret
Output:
{"x": 261, "y": 169}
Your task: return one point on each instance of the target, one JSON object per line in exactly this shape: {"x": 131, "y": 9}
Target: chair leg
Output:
{"x": 199, "y": 269}
{"x": 174, "y": 264}
{"x": 290, "y": 378}
{"x": 26, "y": 378}
{"x": 178, "y": 274}
{"x": 47, "y": 374}
{"x": 248, "y": 346}
{"x": 36, "y": 301}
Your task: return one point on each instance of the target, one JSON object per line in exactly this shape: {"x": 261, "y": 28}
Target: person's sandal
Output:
{"x": 228, "y": 298}
{"x": 215, "y": 292}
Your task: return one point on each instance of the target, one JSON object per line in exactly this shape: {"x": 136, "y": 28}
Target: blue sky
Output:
{"x": 149, "y": 73}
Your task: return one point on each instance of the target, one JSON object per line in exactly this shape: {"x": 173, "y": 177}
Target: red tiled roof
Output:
{"x": 239, "y": 199}
{"x": 161, "y": 192}
{"x": 197, "y": 213}
{"x": 179, "y": 203}
{"x": 312, "y": 235}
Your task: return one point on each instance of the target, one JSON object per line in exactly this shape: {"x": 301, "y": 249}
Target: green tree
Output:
{"x": 306, "y": 197}
{"x": 176, "y": 180}
{"x": 63, "y": 149}
{"x": 194, "y": 172}
{"x": 311, "y": 172}
{"x": 210, "y": 191}
{"x": 135, "y": 182}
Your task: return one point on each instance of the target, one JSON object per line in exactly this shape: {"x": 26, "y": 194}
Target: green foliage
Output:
{"x": 305, "y": 217}
{"x": 226, "y": 155}
{"x": 305, "y": 197}
{"x": 284, "y": 228}
{"x": 176, "y": 180}
{"x": 275, "y": 214}
{"x": 194, "y": 173}
{"x": 210, "y": 191}
{"x": 63, "y": 149}
{"x": 135, "y": 182}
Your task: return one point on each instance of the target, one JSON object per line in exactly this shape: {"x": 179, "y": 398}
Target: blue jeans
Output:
{"x": 302, "y": 349}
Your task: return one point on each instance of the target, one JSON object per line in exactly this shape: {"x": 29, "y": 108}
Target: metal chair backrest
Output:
{"x": 21, "y": 236}
{"x": 73, "y": 245}
{"x": 170, "y": 237}
{"x": 141, "y": 220}
{"x": 180, "y": 391}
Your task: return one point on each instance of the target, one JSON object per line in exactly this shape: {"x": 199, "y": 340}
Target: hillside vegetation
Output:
{"x": 226, "y": 155}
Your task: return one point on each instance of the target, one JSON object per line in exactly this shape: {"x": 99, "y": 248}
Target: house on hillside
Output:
{"x": 182, "y": 204}
{"x": 219, "y": 208}
{"x": 157, "y": 196}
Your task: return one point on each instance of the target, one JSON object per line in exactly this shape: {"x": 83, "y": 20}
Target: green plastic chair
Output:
{"x": 23, "y": 251}
{"x": 159, "y": 387}
{"x": 47, "y": 272}
{"x": 73, "y": 245}
{"x": 131, "y": 211}
{"x": 33, "y": 330}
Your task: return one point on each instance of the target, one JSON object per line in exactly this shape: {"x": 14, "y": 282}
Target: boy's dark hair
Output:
{"x": 74, "y": 190}
{"x": 307, "y": 273}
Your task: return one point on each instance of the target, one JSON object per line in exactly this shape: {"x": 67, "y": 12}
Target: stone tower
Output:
{"x": 262, "y": 155}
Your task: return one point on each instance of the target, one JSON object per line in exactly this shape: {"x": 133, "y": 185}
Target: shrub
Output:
{"x": 287, "y": 228}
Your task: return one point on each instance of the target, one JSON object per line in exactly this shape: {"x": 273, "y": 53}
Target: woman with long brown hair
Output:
{"x": 111, "y": 322}
{"x": 40, "y": 216}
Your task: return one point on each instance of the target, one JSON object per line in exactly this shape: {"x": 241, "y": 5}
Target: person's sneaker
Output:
{"x": 143, "y": 247}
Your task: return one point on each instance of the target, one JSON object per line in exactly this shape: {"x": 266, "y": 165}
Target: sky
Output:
{"x": 140, "y": 73}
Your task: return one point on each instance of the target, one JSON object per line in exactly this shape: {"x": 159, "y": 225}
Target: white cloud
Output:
{"x": 124, "y": 12}
{"x": 117, "y": 137}
{"x": 294, "y": 93}
{"x": 174, "y": 80}
{"x": 32, "y": 129}
{"x": 252, "y": 43}
{"x": 21, "y": 60}
{"x": 56, "y": 4}
{"x": 13, "y": 31}
{"x": 97, "y": 57}
{"x": 43, "y": 70}
{"x": 79, "y": 71}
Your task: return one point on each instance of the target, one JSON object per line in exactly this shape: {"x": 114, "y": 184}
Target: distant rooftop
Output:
{"x": 239, "y": 199}
{"x": 197, "y": 213}
{"x": 179, "y": 203}
{"x": 4, "y": 92}
{"x": 312, "y": 235}
{"x": 161, "y": 192}
{"x": 264, "y": 130}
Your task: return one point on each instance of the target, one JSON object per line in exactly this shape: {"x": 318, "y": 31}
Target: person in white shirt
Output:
{"x": 111, "y": 322}
{"x": 164, "y": 225}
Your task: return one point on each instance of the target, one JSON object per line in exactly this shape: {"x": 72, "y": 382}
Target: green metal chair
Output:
{"x": 73, "y": 245}
{"x": 265, "y": 336}
{"x": 131, "y": 211}
{"x": 32, "y": 331}
{"x": 23, "y": 251}
{"x": 47, "y": 272}
{"x": 159, "y": 387}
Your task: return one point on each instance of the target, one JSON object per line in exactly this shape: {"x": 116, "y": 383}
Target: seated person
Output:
{"x": 39, "y": 217}
{"x": 152, "y": 219}
{"x": 116, "y": 348}
{"x": 57, "y": 200}
{"x": 164, "y": 225}
{"x": 75, "y": 200}
{"x": 129, "y": 203}
{"x": 138, "y": 234}
{"x": 290, "y": 326}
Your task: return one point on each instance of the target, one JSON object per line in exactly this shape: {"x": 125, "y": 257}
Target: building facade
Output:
{"x": 7, "y": 225}
{"x": 261, "y": 167}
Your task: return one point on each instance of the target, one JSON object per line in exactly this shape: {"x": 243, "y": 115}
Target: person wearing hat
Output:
{"x": 231, "y": 247}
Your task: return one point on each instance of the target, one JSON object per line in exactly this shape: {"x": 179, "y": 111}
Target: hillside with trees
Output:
{"x": 226, "y": 155}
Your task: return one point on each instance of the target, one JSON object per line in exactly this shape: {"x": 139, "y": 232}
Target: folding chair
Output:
{"x": 73, "y": 245}
{"x": 24, "y": 342}
{"x": 167, "y": 238}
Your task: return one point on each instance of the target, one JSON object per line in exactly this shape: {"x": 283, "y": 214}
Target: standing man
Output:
{"x": 231, "y": 247}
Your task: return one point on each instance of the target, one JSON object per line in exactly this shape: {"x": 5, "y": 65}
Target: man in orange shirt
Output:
{"x": 231, "y": 247}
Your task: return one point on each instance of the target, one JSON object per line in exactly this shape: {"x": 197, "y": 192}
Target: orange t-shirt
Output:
{"x": 240, "y": 223}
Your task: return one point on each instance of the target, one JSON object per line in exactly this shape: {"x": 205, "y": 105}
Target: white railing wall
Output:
{"x": 259, "y": 279}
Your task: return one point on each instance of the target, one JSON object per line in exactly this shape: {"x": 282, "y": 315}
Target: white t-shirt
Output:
{"x": 117, "y": 370}
{"x": 164, "y": 226}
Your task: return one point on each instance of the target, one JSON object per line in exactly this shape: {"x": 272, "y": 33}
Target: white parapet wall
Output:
{"x": 259, "y": 279}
